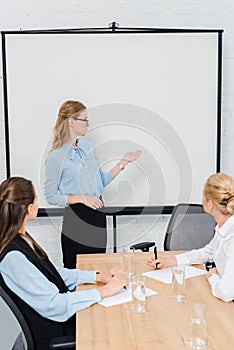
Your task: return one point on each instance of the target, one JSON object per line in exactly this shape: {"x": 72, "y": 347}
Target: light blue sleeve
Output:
{"x": 73, "y": 277}
{"x": 25, "y": 280}
{"x": 106, "y": 177}
{"x": 53, "y": 171}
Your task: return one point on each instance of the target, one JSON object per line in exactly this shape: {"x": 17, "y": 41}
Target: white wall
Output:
{"x": 43, "y": 14}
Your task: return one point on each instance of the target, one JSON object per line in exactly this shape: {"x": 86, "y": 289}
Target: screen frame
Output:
{"x": 112, "y": 30}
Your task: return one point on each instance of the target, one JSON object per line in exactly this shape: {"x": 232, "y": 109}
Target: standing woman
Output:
{"x": 74, "y": 180}
{"x": 218, "y": 200}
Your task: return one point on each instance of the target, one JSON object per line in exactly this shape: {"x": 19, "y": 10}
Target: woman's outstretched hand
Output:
{"x": 131, "y": 156}
{"x": 127, "y": 158}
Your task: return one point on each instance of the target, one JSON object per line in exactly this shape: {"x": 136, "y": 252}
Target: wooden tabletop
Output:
{"x": 164, "y": 325}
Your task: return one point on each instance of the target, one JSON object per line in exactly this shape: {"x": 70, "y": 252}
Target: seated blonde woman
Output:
{"x": 218, "y": 200}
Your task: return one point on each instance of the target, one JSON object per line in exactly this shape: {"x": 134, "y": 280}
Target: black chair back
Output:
{"x": 24, "y": 341}
{"x": 189, "y": 227}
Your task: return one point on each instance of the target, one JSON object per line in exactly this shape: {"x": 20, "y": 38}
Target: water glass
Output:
{"x": 138, "y": 293}
{"x": 198, "y": 326}
{"x": 128, "y": 262}
{"x": 178, "y": 283}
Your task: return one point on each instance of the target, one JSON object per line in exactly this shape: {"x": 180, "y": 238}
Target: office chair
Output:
{"x": 24, "y": 340}
{"x": 189, "y": 228}
{"x": 143, "y": 246}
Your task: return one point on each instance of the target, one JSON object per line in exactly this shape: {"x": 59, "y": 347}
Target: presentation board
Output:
{"x": 156, "y": 90}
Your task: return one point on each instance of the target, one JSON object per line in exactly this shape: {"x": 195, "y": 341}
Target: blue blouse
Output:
{"x": 74, "y": 170}
{"x": 25, "y": 280}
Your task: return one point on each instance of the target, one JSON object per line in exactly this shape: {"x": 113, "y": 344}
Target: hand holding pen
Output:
{"x": 156, "y": 256}
{"x": 162, "y": 261}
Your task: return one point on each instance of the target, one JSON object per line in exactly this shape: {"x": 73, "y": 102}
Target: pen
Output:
{"x": 156, "y": 255}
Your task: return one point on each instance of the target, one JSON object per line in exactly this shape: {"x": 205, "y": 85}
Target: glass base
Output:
{"x": 138, "y": 309}
{"x": 178, "y": 298}
{"x": 199, "y": 344}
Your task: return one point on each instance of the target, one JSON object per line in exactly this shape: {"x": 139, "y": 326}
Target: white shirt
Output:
{"x": 221, "y": 251}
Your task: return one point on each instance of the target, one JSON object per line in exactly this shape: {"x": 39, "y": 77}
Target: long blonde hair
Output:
{"x": 220, "y": 189}
{"x": 67, "y": 110}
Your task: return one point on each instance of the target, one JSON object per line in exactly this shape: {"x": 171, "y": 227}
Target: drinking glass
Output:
{"x": 178, "y": 283}
{"x": 198, "y": 326}
{"x": 128, "y": 262}
{"x": 138, "y": 293}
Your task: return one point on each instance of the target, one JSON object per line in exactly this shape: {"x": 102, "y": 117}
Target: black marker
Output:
{"x": 156, "y": 255}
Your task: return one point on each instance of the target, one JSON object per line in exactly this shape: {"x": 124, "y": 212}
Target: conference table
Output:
{"x": 164, "y": 325}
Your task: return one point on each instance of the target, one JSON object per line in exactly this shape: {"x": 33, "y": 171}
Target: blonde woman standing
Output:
{"x": 218, "y": 200}
{"x": 74, "y": 180}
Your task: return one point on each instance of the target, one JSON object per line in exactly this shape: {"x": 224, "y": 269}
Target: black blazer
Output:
{"x": 42, "y": 329}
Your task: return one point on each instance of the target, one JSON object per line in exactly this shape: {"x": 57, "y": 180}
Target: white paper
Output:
{"x": 191, "y": 271}
{"x": 124, "y": 296}
{"x": 165, "y": 275}
{"x": 139, "y": 294}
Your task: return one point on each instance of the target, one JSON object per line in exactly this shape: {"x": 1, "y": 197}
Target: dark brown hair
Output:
{"x": 16, "y": 194}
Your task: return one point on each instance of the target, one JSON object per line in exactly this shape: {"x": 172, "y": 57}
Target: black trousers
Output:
{"x": 83, "y": 232}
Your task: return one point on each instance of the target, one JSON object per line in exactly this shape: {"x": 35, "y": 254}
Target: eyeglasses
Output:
{"x": 83, "y": 120}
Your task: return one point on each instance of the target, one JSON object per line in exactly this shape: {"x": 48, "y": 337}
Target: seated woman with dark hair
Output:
{"x": 45, "y": 294}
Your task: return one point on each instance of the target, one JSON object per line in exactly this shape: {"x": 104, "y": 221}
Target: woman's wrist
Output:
{"x": 103, "y": 292}
{"x": 121, "y": 166}
{"x": 209, "y": 277}
{"x": 122, "y": 163}
{"x": 97, "y": 277}
{"x": 72, "y": 199}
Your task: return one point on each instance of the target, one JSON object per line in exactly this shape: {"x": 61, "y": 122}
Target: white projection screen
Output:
{"x": 156, "y": 90}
